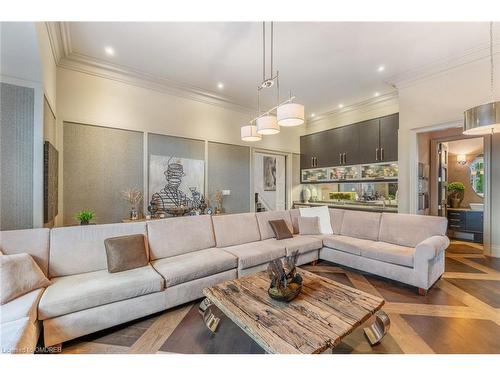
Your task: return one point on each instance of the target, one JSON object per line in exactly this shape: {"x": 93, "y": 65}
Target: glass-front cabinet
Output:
{"x": 364, "y": 172}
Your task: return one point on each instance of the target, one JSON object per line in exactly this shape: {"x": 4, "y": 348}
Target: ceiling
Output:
{"x": 466, "y": 146}
{"x": 325, "y": 64}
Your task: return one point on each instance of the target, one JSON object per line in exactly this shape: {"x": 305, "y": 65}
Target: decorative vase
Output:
{"x": 455, "y": 202}
{"x": 306, "y": 194}
{"x": 84, "y": 222}
{"x": 134, "y": 214}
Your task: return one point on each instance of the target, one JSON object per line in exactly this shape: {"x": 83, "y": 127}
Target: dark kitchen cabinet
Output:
{"x": 389, "y": 126}
{"x": 371, "y": 141}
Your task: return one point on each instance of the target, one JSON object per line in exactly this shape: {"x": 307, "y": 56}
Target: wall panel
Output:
{"x": 99, "y": 163}
{"x": 229, "y": 169}
{"x": 16, "y": 148}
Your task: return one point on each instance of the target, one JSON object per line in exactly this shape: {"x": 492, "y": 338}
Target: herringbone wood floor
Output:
{"x": 460, "y": 314}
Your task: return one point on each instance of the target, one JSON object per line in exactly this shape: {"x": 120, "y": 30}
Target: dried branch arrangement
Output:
{"x": 132, "y": 196}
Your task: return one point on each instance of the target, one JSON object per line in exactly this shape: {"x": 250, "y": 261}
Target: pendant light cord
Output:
{"x": 492, "y": 75}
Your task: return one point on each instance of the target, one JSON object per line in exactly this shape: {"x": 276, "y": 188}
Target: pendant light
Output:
{"x": 286, "y": 113}
{"x": 267, "y": 125}
{"x": 484, "y": 119}
{"x": 249, "y": 133}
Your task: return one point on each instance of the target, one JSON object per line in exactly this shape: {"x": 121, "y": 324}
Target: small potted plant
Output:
{"x": 84, "y": 217}
{"x": 456, "y": 193}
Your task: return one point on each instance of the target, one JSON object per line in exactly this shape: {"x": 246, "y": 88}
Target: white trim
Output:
{"x": 360, "y": 107}
{"x": 414, "y": 76}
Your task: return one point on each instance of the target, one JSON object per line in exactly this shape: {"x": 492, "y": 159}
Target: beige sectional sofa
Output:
{"x": 188, "y": 254}
{"x": 20, "y": 327}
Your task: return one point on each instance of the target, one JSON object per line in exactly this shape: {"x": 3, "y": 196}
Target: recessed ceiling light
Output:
{"x": 220, "y": 85}
{"x": 109, "y": 51}
{"x": 313, "y": 114}
{"x": 381, "y": 68}
{"x": 376, "y": 94}
{"x": 341, "y": 105}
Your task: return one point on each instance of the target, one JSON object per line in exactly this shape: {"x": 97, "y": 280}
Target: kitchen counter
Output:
{"x": 357, "y": 206}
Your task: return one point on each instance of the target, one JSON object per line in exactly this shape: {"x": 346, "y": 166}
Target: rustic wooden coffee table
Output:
{"x": 318, "y": 319}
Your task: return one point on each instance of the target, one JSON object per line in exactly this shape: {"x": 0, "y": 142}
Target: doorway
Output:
{"x": 269, "y": 181}
{"x": 456, "y": 186}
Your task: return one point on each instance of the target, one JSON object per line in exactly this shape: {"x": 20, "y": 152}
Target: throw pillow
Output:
{"x": 324, "y": 217}
{"x": 280, "y": 229}
{"x": 20, "y": 275}
{"x": 125, "y": 252}
{"x": 309, "y": 225}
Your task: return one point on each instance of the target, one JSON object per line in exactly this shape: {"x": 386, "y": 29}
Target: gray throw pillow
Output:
{"x": 309, "y": 225}
{"x": 126, "y": 252}
{"x": 280, "y": 229}
{"x": 19, "y": 275}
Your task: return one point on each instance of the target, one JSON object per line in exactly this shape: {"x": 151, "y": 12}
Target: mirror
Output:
{"x": 476, "y": 171}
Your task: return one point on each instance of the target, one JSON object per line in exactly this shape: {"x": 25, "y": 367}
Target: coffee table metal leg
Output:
{"x": 377, "y": 330}
{"x": 211, "y": 321}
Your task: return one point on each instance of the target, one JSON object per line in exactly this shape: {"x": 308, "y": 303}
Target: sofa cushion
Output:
{"x": 18, "y": 337}
{"x": 347, "y": 244}
{"x": 336, "y": 218}
{"x": 34, "y": 242}
{"x": 263, "y": 219}
{"x": 410, "y": 230}
{"x": 303, "y": 244}
{"x": 309, "y": 225}
{"x": 73, "y": 293}
{"x": 194, "y": 265}
{"x": 390, "y": 253}
{"x": 235, "y": 229}
{"x": 25, "y": 306}
{"x": 361, "y": 224}
{"x": 180, "y": 235}
{"x": 19, "y": 274}
{"x": 294, "y": 216}
{"x": 323, "y": 214}
{"x": 256, "y": 253}
{"x": 126, "y": 252}
{"x": 80, "y": 249}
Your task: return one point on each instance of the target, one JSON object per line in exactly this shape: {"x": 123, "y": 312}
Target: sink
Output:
{"x": 476, "y": 206}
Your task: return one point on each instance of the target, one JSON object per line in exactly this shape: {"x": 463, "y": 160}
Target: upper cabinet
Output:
{"x": 372, "y": 141}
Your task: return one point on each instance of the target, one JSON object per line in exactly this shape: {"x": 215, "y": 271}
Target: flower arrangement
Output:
{"x": 456, "y": 193}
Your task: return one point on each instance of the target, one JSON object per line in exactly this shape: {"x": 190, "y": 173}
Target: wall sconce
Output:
{"x": 461, "y": 159}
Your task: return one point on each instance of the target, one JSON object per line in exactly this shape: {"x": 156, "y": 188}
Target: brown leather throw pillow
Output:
{"x": 125, "y": 252}
{"x": 280, "y": 229}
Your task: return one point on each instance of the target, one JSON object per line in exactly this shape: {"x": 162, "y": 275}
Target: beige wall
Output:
{"x": 441, "y": 99}
{"x": 89, "y": 99}
{"x": 49, "y": 70}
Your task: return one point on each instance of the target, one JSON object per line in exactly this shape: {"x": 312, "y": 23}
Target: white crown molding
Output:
{"x": 439, "y": 67}
{"x": 360, "y": 107}
{"x": 60, "y": 40}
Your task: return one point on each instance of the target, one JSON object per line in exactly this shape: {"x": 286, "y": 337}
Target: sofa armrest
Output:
{"x": 431, "y": 247}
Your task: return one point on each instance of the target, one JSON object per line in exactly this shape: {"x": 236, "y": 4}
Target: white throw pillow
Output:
{"x": 324, "y": 217}
{"x": 19, "y": 275}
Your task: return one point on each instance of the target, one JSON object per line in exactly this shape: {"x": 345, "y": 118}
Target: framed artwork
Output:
{"x": 50, "y": 182}
{"x": 269, "y": 168}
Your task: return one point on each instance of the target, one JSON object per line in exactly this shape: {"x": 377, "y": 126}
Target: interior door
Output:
{"x": 442, "y": 179}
